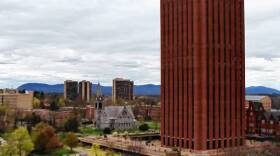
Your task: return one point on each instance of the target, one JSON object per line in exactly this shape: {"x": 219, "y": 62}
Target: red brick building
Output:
{"x": 202, "y": 73}
{"x": 142, "y": 111}
{"x": 261, "y": 124}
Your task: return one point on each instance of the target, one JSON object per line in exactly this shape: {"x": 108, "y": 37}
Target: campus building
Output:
{"x": 266, "y": 101}
{"x": 70, "y": 90}
{"x": 122, "y": 89}
{"x": 113, "y": 117}
{"x": 85, "y": 91}
{"x": 16, "y": 99}
{"x": 262, "y": 124}
{"x": 202, "y": 74}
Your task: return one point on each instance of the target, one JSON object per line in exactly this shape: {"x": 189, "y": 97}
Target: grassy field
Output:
{"x": 153, "y": 125}
{"x": 91, "y": 131}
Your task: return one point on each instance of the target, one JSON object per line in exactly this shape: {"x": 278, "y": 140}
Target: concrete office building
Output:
{"x": 70, "y": 90}
{"x": 85, "y": 91}
{"x": 202, "y": 74}
{"x": 122, "y": 89}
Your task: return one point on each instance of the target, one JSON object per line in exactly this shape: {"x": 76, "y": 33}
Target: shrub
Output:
{"x": 144, "y": 127}
{"x": 107, "y": 131}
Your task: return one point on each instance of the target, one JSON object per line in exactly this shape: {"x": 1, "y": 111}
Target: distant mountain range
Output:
{"x": 261, "y": 90}
{"x": 148, "y": 89}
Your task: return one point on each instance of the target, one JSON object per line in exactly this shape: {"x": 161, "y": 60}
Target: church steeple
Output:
{"x": 99, "y": 98}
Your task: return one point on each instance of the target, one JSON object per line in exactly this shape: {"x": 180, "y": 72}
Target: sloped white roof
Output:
{"x": 254, "y": 98}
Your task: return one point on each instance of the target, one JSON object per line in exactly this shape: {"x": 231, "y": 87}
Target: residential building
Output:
{"x": 70, "y": 90}
{"x": 122, "y": 89}
{"x": 265, "y": 100}
{"x": 202, "y": 74}
{"x": 85, "y": 91}
{"x": 16, "y": 99}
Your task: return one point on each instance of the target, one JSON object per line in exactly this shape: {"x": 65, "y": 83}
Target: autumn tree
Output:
{"x": 44, "y": 137}
{"x": 71, "y": 140}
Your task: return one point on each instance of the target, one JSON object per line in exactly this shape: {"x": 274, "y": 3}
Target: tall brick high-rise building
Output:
{"x": 202, "y": 73}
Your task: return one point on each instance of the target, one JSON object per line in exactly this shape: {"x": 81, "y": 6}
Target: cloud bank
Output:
{"x": 52, "y": 40}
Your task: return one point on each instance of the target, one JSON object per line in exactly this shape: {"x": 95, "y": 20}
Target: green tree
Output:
{"x": 19, "y": 143}
{"x": 61, "y": 102}
{"x": 36, "y": 103}
{"x": 144, "y": 127}
{"x": 71, "y": 140}
{"x": 8, "y": 150}
{"x": 54, "y": 106}
{"x": 72, "y": 124}
{"x": 44, "y": 137}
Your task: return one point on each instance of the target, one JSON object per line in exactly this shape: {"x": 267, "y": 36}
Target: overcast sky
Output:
{"x": 49, "y": 41}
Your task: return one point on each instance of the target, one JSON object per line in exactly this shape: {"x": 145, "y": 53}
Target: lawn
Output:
{"x": 153, "y": 125}
{"x": 91, "y": 131}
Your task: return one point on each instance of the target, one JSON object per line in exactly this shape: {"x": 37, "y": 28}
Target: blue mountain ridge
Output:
{"x": 147, "y": 89}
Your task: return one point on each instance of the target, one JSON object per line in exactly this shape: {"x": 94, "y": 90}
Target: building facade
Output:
{"x": 260, "y": 123}
{"x": 265, "y": 100}
{"x": 113, "y": 117}
{"x": 143, "y": 111}
{"x": 202, "y": 74}
{"x": 122, "y": 89}
{"x": 85, "y": 91}
{"x": 70, "y": 90}
{"x": 16, "y": 99}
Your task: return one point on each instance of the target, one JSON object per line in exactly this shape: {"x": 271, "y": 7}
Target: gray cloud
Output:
{"x": 49, "y": 41}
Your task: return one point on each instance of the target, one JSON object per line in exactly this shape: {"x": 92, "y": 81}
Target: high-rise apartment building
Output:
{"x": 122, "y": 89}
{"x": 70, "y": 90}
{"x": 85, "y": 91}
{"x": 202, "y": 73}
